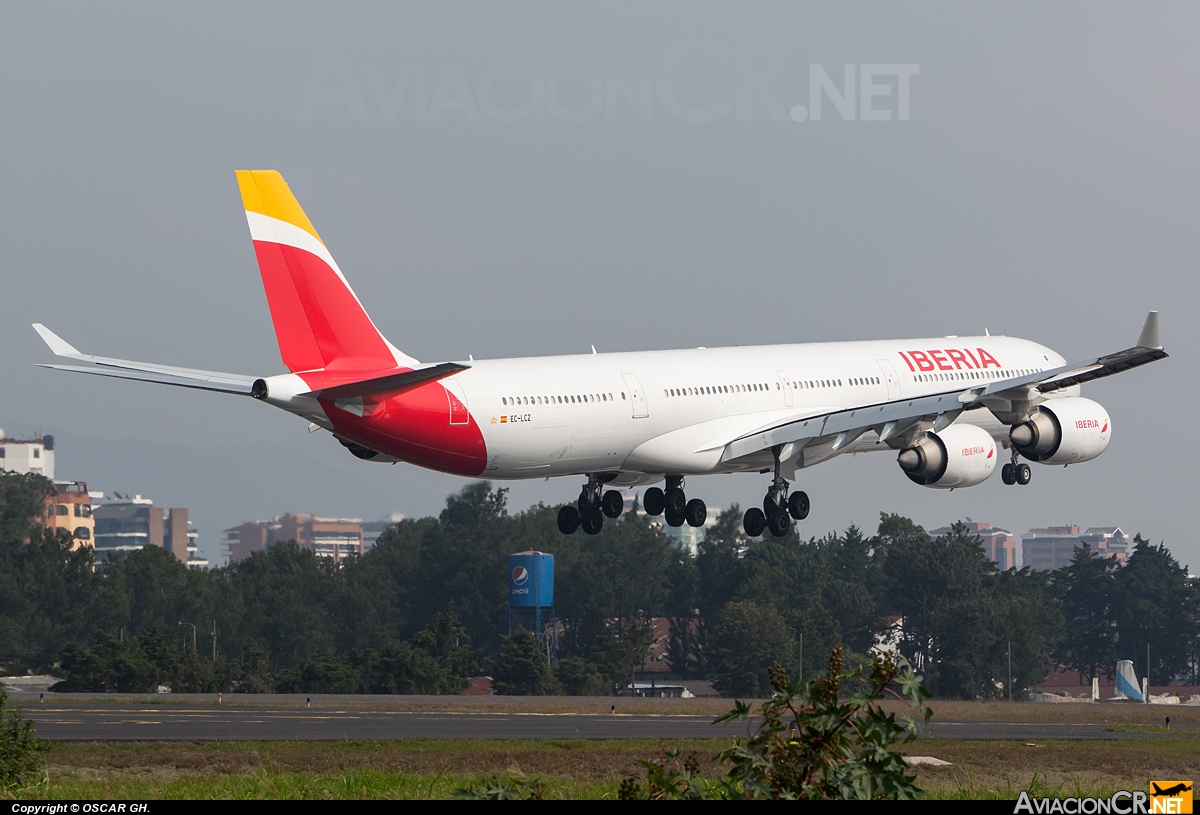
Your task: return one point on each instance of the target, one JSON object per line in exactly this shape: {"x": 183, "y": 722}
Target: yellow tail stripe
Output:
{"x": 265, "y": 192}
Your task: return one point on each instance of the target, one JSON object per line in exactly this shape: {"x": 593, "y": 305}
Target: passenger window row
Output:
{"x": 715, "y": 389}
{"x": 959, "y": 375}
{"x": 574, "y": 399}
{"x": 803, "y": 384}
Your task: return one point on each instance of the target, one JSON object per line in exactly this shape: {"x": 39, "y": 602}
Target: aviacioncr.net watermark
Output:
{"x": 696, "y": 81}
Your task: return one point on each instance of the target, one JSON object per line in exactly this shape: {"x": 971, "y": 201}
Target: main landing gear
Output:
{"x": 674, "y": 504}
{"x": 779, "y": 508}
{"x": 593, "y": 506}
{"x": 1016, "y": 472}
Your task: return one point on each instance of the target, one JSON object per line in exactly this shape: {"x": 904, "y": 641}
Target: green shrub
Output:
{"x": 811, "y": 744}
{"x": 20, "y": 750}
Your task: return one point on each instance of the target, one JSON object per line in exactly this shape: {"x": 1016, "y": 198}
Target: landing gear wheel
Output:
{"x": 696, "y": 513}
{"x": 654, "y": 501}
{"x": 568, "y": 520}
{"x": 1008, "y": 474}
{"x": 676, "y": 501}
{"x": 781, "y": 524}
{"x": 593, "y": 521}
{"x": 1023, "y": 474}
{"x": 613, "y": 503}
{"x": 798, "y": 505}
{"x": 754, "y": 522}
{"x": 673, "y": 519}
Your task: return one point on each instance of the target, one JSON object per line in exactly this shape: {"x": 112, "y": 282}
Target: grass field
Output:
{"x": 570, "y": 768}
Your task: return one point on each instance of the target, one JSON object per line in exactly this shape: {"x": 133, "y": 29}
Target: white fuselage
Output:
{"x": 647, "y": 414}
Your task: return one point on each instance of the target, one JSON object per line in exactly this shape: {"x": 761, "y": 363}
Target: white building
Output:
{"x": 34, "y": 455}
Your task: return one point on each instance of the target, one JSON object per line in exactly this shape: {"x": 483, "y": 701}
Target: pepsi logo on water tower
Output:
{"x": 531, "y": 579}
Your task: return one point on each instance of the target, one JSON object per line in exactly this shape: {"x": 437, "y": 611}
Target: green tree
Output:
{"x": 578, "y": 677}
{"x": 747, "y": 641}
{"x": 22, "y": 502}
{"x": 1030, "y": 620}
{"x": 621, "y": 650}
{"x": 950, "y": 617}
{"x": 522, "y": 669}
{"x": 685, "y": 652}
{"x": 1087, "y": 591}
{"x": 1156, "y": 606}
{"x": 108, "y": 666}
{"x": 719, "y": 563}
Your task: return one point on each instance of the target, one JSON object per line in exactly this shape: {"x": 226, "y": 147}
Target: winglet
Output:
{"x": 1149, "y": 337}
{"x": 58, "y": 345}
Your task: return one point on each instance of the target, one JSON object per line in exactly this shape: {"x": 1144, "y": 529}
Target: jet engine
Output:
{"x": 364, "y": 453}
{"x": 1063, "y": 431}
{"x": 962, "y": 455}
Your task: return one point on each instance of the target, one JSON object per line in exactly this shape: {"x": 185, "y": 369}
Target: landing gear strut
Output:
{"x": 593, "y": 505}
{"x": 1016, "y": 472}
{"x": 778, "y": 509}
{"x": 674, "y": 505}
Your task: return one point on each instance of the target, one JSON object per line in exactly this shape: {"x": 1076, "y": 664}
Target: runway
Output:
{"x": 269, "y": 723}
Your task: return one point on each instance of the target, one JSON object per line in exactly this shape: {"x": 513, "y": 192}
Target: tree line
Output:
{"x": 427, "y": 606}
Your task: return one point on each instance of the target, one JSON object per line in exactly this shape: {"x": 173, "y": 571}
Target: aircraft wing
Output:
{"x": 894, "y": 417}
{"x": 143, "y": 371}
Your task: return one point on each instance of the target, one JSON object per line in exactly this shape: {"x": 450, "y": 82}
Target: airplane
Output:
{"x": 947, "y": 406}
{"x": 1172, "y": 791}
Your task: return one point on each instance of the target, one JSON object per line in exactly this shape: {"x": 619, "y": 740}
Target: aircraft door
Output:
{"x": 890, "y": 378}
{"x": 636, "y": 395}
{"x": 787, "y": 387}
{"x": 458, "y": 401}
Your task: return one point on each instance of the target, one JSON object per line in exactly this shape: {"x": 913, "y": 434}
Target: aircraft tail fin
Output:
{"x": 319, "y": 321}
{"x": 1127, "y": 683}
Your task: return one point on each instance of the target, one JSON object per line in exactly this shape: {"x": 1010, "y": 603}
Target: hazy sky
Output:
{"x": 521, "y": 179}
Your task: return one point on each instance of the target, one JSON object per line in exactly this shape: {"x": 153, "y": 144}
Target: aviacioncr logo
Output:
{"x": 519, "y": 575}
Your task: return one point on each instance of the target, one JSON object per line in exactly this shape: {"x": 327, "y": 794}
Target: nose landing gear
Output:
{"x": 1016, "y": 472}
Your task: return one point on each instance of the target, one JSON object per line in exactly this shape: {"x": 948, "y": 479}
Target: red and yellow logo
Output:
{"x": 1171, "y": 797}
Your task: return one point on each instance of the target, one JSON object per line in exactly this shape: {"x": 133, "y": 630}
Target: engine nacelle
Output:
{"x": 364, "y": 453}
{"x": 962, "y": 455}
{"x": 1063, "y": 431}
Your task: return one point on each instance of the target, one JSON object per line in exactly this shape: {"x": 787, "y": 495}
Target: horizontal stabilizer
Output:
{"x": 143, "y": 371}
{"x": 217, "y": 383}
{"x": 391, "y": 382}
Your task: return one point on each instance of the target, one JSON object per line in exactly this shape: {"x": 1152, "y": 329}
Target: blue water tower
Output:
{"x": 531, "y": 598}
